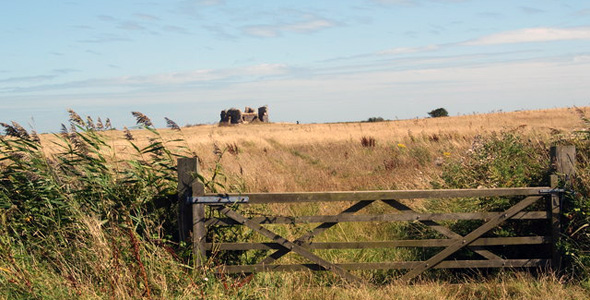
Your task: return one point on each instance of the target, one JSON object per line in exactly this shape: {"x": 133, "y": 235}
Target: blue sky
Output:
{"x": 309, "y": 61}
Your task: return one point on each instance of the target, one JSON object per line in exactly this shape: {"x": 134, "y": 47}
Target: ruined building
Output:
{"x": 236, "y": 116}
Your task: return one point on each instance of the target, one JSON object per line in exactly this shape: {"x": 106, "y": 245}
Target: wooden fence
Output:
{"x": 534, "y": 203}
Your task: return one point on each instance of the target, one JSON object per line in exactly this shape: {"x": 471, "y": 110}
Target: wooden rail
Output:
{"x": 192, "y": 197}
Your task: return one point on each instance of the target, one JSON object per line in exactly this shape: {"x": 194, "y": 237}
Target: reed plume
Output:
{"x": 15, "y": 130}
{"x": 142, "y": 119}
{"x": 171, "y": 124}
{"x": 99, "y": 124}
{"x": 75, "y": 118}
{"x": 127, "y": 133}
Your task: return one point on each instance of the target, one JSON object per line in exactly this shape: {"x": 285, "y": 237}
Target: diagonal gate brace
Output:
{"x": 433, "y": 261}
{"x": 290, "y": 245}
{"x": 442, "y": 230}
{"x": 306, "y": 238}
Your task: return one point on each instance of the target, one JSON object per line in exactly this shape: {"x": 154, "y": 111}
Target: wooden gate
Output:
{"x": 533, "y": 203}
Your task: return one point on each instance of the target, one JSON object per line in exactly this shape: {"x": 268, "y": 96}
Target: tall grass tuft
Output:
{"x": 66, "y": 213}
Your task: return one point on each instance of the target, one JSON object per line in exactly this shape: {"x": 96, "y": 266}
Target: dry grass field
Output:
{"x": 282, "y": 157}
{"x": 276, "y": 157}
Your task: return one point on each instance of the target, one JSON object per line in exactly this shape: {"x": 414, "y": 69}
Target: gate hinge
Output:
{"x": 552, "y": 191}
{"x": 221, "y": 199}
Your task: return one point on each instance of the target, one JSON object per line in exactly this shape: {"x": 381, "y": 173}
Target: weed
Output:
{"x": 368, "y": 141}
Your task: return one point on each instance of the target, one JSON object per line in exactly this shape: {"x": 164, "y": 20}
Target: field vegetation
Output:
{"x": 91, "y": 214}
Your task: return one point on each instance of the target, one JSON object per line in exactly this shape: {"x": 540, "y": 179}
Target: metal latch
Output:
{"x": 222, "y": 199}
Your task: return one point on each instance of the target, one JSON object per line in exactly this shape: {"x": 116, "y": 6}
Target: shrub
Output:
{"x": 501, "y": 160}
{"x": 368, "y": 141}
{"x": 375, "y": 119}
{"x": 439, "y": 112}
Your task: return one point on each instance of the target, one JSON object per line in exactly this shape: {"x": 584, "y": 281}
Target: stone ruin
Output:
{"x": 249, "y": 115}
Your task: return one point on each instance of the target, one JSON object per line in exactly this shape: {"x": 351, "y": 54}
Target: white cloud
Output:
{"x": 210, "y": 2}
{"x": 31, "y": 84}
{"x": 528, "y": 35}
{"x": 262, "y": 31}
{"x": 308, "y": 24}
{"x": 395, "y": 2}
{"x": 408, "y": 50}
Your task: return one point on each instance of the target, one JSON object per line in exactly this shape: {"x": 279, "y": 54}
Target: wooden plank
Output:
{"x": 410, "y": 216}
{"x": 304, "y": 239}
{"x": 264, "y": 198}
{"x": 290, "y": 245}
{"x": 186, "y": 168}
{"x": 433, "y": 261}
{"x": 199, "y": 229}
{"x": 496, "y": 241}
{"x": 487, "y": 254}
{"x": 451, "y": 264}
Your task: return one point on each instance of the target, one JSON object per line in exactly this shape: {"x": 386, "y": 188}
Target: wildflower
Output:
{"x": 401, "y": 146}
{"x": 447, "y": 154}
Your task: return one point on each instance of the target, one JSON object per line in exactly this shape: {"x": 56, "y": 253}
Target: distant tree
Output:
{"x": 439, "y": 112}
{"x": 375, "y": 119}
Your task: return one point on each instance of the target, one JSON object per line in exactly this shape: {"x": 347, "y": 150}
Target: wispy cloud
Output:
{"x": 131, "y": 25}
{"x": 175, "y": 29}
{"x": 210, "y": 2}
{"x": 528, "y": 35}
{"x": 209, "y": 76}
{"x": 583, "y": 13}
{"x": 309, "y": 23}
{"x": 408, "y": 50}
{"x": 398, "y": 2}
{"x": 27, "y": 79}
{"x": 531, "y": 10}
{"x": 65, "y": 71}
{"x": 146, "y": 17}
{"x": 106, "y": 38}
{"x": 412, "y": 2}
{"x": 490, "y": 15}
{"x": 106, "y": 18}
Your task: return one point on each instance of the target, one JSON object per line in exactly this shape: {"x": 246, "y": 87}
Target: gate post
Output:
{"x": 199, "y": 229}
{"x": 563, "y": 160}
{"x": 187, "y": 168}
{"x": 191, "y": 217}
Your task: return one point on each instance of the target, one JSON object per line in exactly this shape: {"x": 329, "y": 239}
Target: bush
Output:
{"x": 375, "y": 119}
{"x": 439, "y": 112}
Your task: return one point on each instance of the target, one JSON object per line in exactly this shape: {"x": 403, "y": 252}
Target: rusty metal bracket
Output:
{"x": 219, "y": 199}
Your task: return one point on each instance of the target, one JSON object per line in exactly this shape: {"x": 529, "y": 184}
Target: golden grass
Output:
{"x": 321, "y": 157}
{"x": 314, "y": 157}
